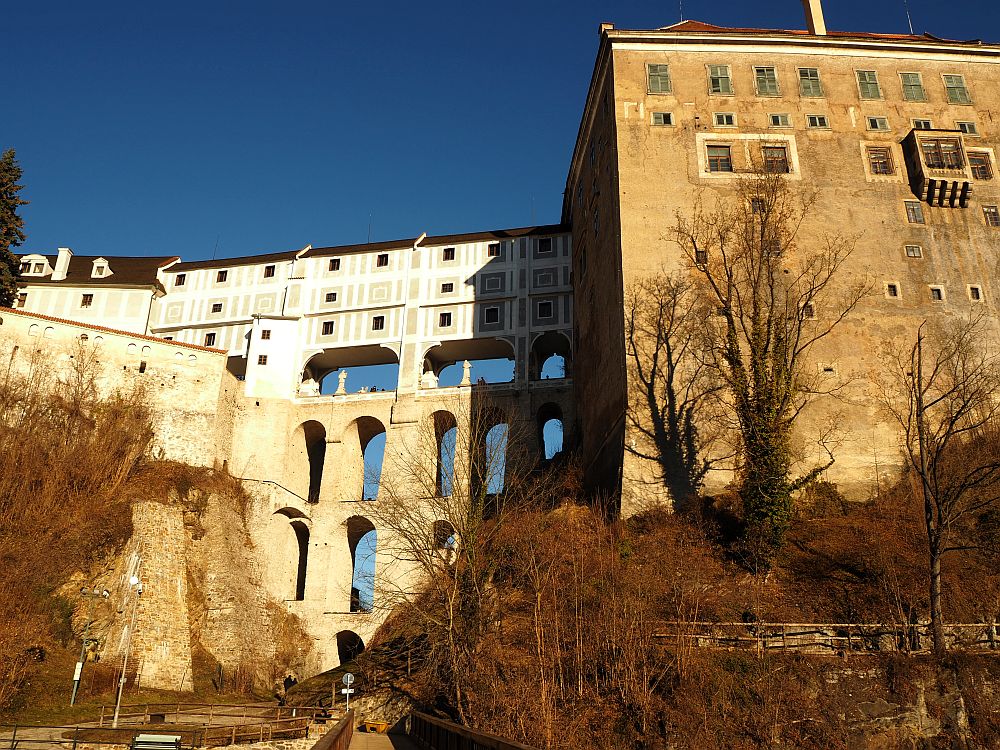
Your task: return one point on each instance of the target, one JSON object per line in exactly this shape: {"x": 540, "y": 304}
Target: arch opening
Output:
{"x": 551, "y": 357}
{"x": 446, "y": 437}
{"x": 491, "y": 360}
{"x": 495, "y": 458}
{"x": 349, "y": 646}
{"x": 360, "y": 369}
{"x": 302, "y": 537}
{"x": 363, "y": 452}
{"x": 550, "y": 430}
{"x": 311, "y": 439}
{"x": 362, "y": 541}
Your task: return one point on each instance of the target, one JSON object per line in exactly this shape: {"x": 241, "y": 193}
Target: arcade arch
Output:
{"x": 551, "y": 356}
{"x": 308, "y": 459}
{"x": 364, "y": 367}
{"x": 445, "y": 440}
{"x": 549, "y": 421}
{"x": 288, "y": 538}
{"x": 363, "y": 451}
{"x": 491, "y": 360}
{"x": 362, "y": 543}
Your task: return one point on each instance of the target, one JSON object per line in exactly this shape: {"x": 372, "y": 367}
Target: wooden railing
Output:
{"x": 438, "y": 734}
{"x": 339, "y": 737}
{"x": 827, "y": 637}
{"x": 148, "y": 713}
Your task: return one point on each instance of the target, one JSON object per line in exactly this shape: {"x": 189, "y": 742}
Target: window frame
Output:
{"x": 493, "y": 250}
{"x": 893, "y": 290}
{"x": 918, "y": 255}
{"x": 445, "y": 320}
{"x": 86, "y": 300}
{"x": 210, "y": 338}
{"x": 787, "y": 120}
{"x": 975, "y": 292}
{"x": 382, "y": 260}
{"x": 180, "y": 279}
{"x": 265, "y": 334}
{"x": 327, "y": 328}
{"x": 717, "y": 124}
{"x": 329, "y": 298}
{"x": 551, "y": 308}
{"x": 914, "y": 216}
{"x": 991, "y": 215}
{"x": 666, "y": 119}
{"x": 964, "y": 88}
{"x": 986, "y": 164}
{"x": 378, "y": 323}
{"x": 728, "y": 77}
{"x": 937, "y": 292}
{"x": 262, "y": 359}
{"x": 448, "y": 254}
{"x": 221, "y": 277}
{"x": 757, "y": 80}
{"x": 968, "y": 127}
{"x": 333, "y": 265}
{"x": 662, "y": 72}
{"x": 711, "y": 161}
{"x": 918, "y": 123}
{"x": 825, "y": 122}
{"x": 862, "y": 84}
{"x": 269, "y": 271}
{"x": 768, "y": 160}
{"x": 919, "y": 86}
{"x": 870, "y": 158}
{"x": 450, "y": 289}
{"x": 878, "y": 120}
{"x": 216, "y": 308}
{"x": 486, "y": 315}
{"x": 818, "y": 81}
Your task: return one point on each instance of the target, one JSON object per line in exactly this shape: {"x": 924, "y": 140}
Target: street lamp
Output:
{"x": 92, "y": 595}
{"x": 136, "y": 585}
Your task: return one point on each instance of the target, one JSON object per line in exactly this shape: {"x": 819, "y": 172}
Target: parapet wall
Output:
{"x": 184, "y": 383}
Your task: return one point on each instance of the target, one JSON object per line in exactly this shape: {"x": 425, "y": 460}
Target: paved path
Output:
{"x": 372, "y": 741}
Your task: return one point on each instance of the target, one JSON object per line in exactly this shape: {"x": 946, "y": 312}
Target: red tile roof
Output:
{"x": 144, "y": 337}
{"x": 702, "y": 27}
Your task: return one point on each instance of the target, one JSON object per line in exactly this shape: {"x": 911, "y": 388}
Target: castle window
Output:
{"x": 331, "y": 297}
{"x": 937, "y": 294}
{"x": 878, "y": 123}
{"x": 975, "y": 294}
{"x": 447, "y": 288}
{"x": 969, "y": 128}
{"x": 221, "y": 276}
{"x": 720, "y": 159}
{"x": 663, "y": 118}
{"x": 781, "y": 121}
{"x": 448, "y": 253}
{"x": 942, "y": 153}
{"x": 268, "y": 272}
{"x": 775, "y": 159}
{"x": 265, "y": 334}
{"x": 725, "y": 120}
{"x": 880, "y": 160}
{"x": 491, "y": 315}
{"x": 217, "y": 307}
{"x": 766, "y": 79}
{"x": 719, "y": 80}
{"x": 817, "y": 121}
{"x": 892, "y": 291}
{"x": 39, "y": 268}
{"x": 382, "y": 261}
{"x": 334, "y": 264}
{"x": 87, "y": 300}
{"x": 544, "y": 245}
{"x": 992, "y": 216}
{"x": 913, "y": 87}
{"x": 922, "y": 125}
{"x": 809, "y": 83}
{"x": 914, "y": 251}
{"x": 545, "y": 309}
{"x": 658, "y": 79}
{"x": 979, "y": 161}
{"x": 914, "y": 212}
{"x": 868, "y": 85}
{"x": 261, "y": 359}
{"x": 701, "y": 258}
{"x": 209, "y": 339}
{"x": 25, "y": 267}
{"x": 378, "y": 323}
{"x": 180, "y": 279}
{"x": 954, "y": 85}
{"x": 444, "y": 320}
{"x": 327, "y": 329}
{"x": 493, "y": 250}
{"x": 493, "y": 283}
{"x": 99, "y": 271}
{"x": 21, "y": 299}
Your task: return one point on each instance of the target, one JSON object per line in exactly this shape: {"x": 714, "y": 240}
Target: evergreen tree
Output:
{"x": 11, "y": 226}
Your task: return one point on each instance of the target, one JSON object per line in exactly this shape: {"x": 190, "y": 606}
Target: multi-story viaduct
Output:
{"x": 896, "y": 134}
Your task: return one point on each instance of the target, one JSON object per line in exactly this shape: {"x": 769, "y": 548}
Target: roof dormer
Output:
{"x": 101, "y": 269}
{"x": 35, "y": 265}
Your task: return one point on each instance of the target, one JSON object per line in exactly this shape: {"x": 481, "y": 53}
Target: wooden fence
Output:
{"x": 339, "y": 737}
{"x": 444, "y": 735}
{"x": 827, "y": 637}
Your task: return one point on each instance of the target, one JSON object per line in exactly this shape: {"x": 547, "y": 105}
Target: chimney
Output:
{"x": 814, "y": 17}
{"x": 62, "y": 264}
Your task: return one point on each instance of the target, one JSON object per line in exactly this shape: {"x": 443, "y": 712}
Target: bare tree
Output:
{"x": 445, "y": 500}
{"x": 673, "y": 408}
{"x": 943, "y": 395}
{"x": 774, "y": 301}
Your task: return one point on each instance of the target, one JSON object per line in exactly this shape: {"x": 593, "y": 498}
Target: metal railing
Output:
{"x": 339, "y": 737}
{"x": 828, "y": 637}
{"x": 439, "y": 734}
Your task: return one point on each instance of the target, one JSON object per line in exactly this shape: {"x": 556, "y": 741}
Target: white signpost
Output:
{"x": 347, "y": 690}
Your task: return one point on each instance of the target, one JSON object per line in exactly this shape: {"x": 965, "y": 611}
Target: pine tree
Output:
{"x": 11, "y": 226}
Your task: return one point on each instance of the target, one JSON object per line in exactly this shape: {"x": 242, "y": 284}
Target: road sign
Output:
{"x": 347, "y": 691}
{"x": 348, "y": 678}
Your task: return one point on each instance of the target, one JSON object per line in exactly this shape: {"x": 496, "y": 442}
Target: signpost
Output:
{"x": 347, "y": 689}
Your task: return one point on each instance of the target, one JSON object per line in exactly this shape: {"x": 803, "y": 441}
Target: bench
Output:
{"x": 375, "y": 726}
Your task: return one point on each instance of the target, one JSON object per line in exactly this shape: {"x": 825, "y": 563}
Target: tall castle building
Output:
{"x": 896, "y": 134}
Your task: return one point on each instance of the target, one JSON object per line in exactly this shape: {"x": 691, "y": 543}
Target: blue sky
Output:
{"x": 178, "y": 127}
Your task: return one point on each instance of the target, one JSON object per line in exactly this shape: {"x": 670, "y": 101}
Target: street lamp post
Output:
{"x": 136, "y": 584}
{"x": 92, "y": 595}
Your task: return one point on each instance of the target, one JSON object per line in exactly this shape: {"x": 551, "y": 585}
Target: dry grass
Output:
{"x": 67, "y": 454}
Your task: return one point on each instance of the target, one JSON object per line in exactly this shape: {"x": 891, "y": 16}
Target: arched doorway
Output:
{"x": 349, "y": 646}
